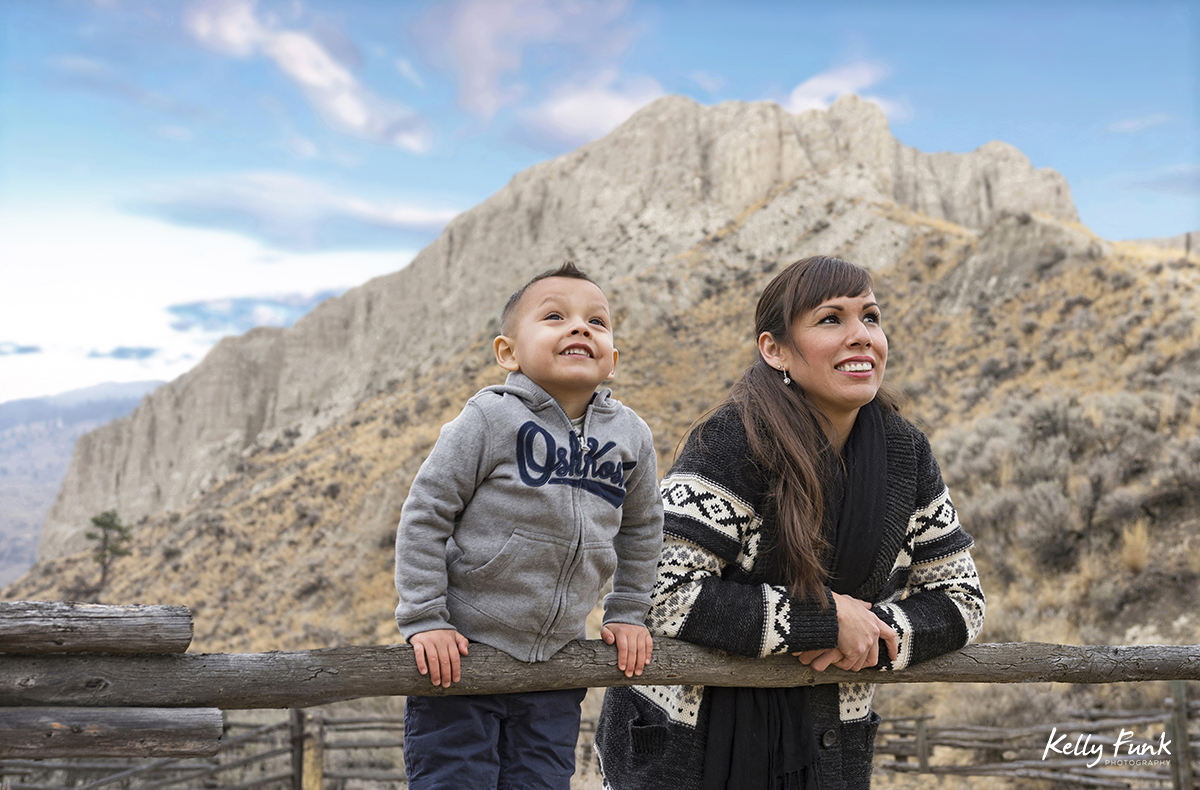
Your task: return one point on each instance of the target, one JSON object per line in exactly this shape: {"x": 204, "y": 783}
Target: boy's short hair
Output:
{"x": 568, "y": 269}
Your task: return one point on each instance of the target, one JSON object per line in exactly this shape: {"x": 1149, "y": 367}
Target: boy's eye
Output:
{"x": 598, "y": 322}
{"x": 553, "y": 316}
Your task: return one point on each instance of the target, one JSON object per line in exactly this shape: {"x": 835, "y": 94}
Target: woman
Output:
{"x": 804, "y": 516}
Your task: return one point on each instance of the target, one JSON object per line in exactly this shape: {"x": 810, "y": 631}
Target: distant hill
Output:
{"x": 37, "y": 438}
{"x": 1188, "y": 242}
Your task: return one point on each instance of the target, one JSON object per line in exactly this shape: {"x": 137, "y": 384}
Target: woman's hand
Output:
{"x": 859, "y": 632}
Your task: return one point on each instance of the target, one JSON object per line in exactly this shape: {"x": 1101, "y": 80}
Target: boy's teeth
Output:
{"x": 856, "y": 367}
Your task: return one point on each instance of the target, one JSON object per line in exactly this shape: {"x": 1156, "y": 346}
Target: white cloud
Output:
{"x": 708, "y": 81}
{"x": 178, "y": 134}
{"x": 1180, "y": 179}
{"x": 232, "y": 28}
{"x": 79, "y": 279}
{"x": 228, "y": 26}
{"x": 87, "y": 67}
{"x": 89, "y": 74}
{"x": 287, "y": 210}
{"x": 1134, "y": 125}
{"x": 8, "y": 347}
{"x": 897, "y": 110}
{"x": 817, "y": 93}
{"x": 485, "y": 42}
{"x": 581, "y": 113}
{"x": 238, "y": 314}
{"x": 301, "y": 146}
{"x": 409, "y": 73}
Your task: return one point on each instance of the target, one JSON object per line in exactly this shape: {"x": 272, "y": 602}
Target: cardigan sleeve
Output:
{"x": 712, "y": 535}
{"x": 939, "y": 606}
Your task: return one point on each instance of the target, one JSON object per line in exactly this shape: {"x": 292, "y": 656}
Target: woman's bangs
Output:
{"x": 828, "y": 278}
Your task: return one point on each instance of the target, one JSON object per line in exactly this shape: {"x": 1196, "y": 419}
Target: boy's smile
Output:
{"x": 562, "y": 340}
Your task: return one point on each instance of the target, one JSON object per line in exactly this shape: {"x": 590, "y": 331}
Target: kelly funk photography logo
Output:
{"x": 1125, "y": 749}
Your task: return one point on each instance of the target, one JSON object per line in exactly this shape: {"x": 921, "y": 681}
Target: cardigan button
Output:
{"x": 829, "y": 738}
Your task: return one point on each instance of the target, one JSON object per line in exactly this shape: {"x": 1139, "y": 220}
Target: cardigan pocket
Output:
{"x": 853, "y": 737}
{"x": 646, "y": 739}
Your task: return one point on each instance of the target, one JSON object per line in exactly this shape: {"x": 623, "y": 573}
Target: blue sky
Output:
{"x": 172, "y": 172}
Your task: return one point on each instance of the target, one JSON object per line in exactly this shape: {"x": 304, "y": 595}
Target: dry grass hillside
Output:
{"x": 1064, "y": 414}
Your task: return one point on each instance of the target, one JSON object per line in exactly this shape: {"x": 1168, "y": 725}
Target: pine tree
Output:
{"x": 113, "y": 537}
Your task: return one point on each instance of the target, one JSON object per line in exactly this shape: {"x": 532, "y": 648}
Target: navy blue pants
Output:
{"x": 492, "y": 741}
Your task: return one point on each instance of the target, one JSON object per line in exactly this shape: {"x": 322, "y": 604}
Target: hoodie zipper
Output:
{"x": 562, "y": 590}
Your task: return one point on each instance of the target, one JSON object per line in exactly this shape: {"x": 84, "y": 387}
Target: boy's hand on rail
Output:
{"x": 437, "y": 655}
{"x": 634, "y": 646}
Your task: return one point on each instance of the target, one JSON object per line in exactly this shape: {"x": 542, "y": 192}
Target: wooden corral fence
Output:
{"x": 80, "y": 680}
{"x": 1024, "y": 752}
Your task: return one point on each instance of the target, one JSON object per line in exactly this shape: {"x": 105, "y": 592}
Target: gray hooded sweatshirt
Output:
{"x": 513, "y": 524}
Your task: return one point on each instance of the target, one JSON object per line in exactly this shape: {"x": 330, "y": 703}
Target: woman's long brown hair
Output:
{"x": 784, "y": 429}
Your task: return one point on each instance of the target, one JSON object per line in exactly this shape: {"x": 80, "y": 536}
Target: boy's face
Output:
{"x": 561, "y": 338}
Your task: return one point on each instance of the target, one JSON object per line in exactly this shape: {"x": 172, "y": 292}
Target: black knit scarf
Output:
{"x": 763, "y": 738}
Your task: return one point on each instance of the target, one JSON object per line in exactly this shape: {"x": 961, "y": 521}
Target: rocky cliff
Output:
{"x": 675, "y": 176}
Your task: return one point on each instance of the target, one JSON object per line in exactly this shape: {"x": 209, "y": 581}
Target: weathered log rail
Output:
{"x": 117, "y": 732}
{"x": 305, "y": 678}
{"x": 33, "y": 627}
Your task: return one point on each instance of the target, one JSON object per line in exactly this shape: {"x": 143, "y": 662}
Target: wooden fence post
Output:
{"x": 922, "y": 745}
{"x": 314, "y": 752}
{"x": 297, "y": 749}
{"x": 1181, "y": 766}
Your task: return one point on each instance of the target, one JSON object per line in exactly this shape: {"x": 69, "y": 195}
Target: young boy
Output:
{"x": 538, "y": 492}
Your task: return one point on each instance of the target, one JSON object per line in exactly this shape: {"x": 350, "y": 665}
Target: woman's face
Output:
{"x": 838, "y": 354}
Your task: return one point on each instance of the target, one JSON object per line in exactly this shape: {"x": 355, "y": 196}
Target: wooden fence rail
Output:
{"x": 56, "y": 627}
{"x": 115, "y": 732}
{"x": 233, "y": 681}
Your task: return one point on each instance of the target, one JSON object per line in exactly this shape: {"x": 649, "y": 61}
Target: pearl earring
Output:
{"x": 786, "y": 380}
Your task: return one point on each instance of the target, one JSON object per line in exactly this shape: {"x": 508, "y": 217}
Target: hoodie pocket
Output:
{"x": 517, "y": 585}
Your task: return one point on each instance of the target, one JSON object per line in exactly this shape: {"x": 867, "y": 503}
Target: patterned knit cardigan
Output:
{"x": 710, "y": 591}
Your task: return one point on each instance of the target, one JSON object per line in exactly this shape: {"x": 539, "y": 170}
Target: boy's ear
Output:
{"x": 612, "y": 374}
{"x": 506, "y": 353}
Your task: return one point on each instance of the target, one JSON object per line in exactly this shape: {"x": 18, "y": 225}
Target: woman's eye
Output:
{"x": 873, "y": 317}
{"x": 829, "y": 319}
